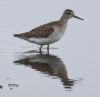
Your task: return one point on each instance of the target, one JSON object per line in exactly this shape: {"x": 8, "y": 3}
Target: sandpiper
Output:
{"x": 49, "y": 33}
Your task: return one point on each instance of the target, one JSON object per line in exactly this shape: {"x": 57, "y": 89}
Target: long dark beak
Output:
{"x": 77, "y": 17}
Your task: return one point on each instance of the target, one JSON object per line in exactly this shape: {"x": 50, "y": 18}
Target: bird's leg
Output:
{"x": 40, "y": 48}
{"x": 48, "y": 48}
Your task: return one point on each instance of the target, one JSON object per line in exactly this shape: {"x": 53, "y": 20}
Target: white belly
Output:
{"x": 55, "y": 36}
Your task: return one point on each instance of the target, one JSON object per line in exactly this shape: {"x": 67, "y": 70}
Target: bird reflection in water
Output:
{"x": 48, "y": 64}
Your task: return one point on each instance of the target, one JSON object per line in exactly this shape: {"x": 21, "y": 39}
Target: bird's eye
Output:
{"x": 69, "y": 13}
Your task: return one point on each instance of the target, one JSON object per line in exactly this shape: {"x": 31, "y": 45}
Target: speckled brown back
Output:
{"x": 42, "y": 31}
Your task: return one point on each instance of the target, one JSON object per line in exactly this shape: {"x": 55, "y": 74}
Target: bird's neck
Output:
{"x": 63, "y": 20}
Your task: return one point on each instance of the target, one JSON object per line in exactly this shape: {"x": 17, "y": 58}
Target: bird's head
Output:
{"x": 68, "y": 13}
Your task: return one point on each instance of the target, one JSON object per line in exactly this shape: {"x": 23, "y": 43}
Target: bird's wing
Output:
{"x": 42, "y": 31}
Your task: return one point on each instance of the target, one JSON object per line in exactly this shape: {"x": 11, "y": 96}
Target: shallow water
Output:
{"x": 72, "y": 67}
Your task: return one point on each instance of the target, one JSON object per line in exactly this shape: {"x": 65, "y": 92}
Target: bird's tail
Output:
{"x": 19, "y": 36}
{"x": 16, "y": 35}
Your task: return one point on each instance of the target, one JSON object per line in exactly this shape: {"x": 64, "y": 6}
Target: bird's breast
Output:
{"x": 60, "y": 31}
